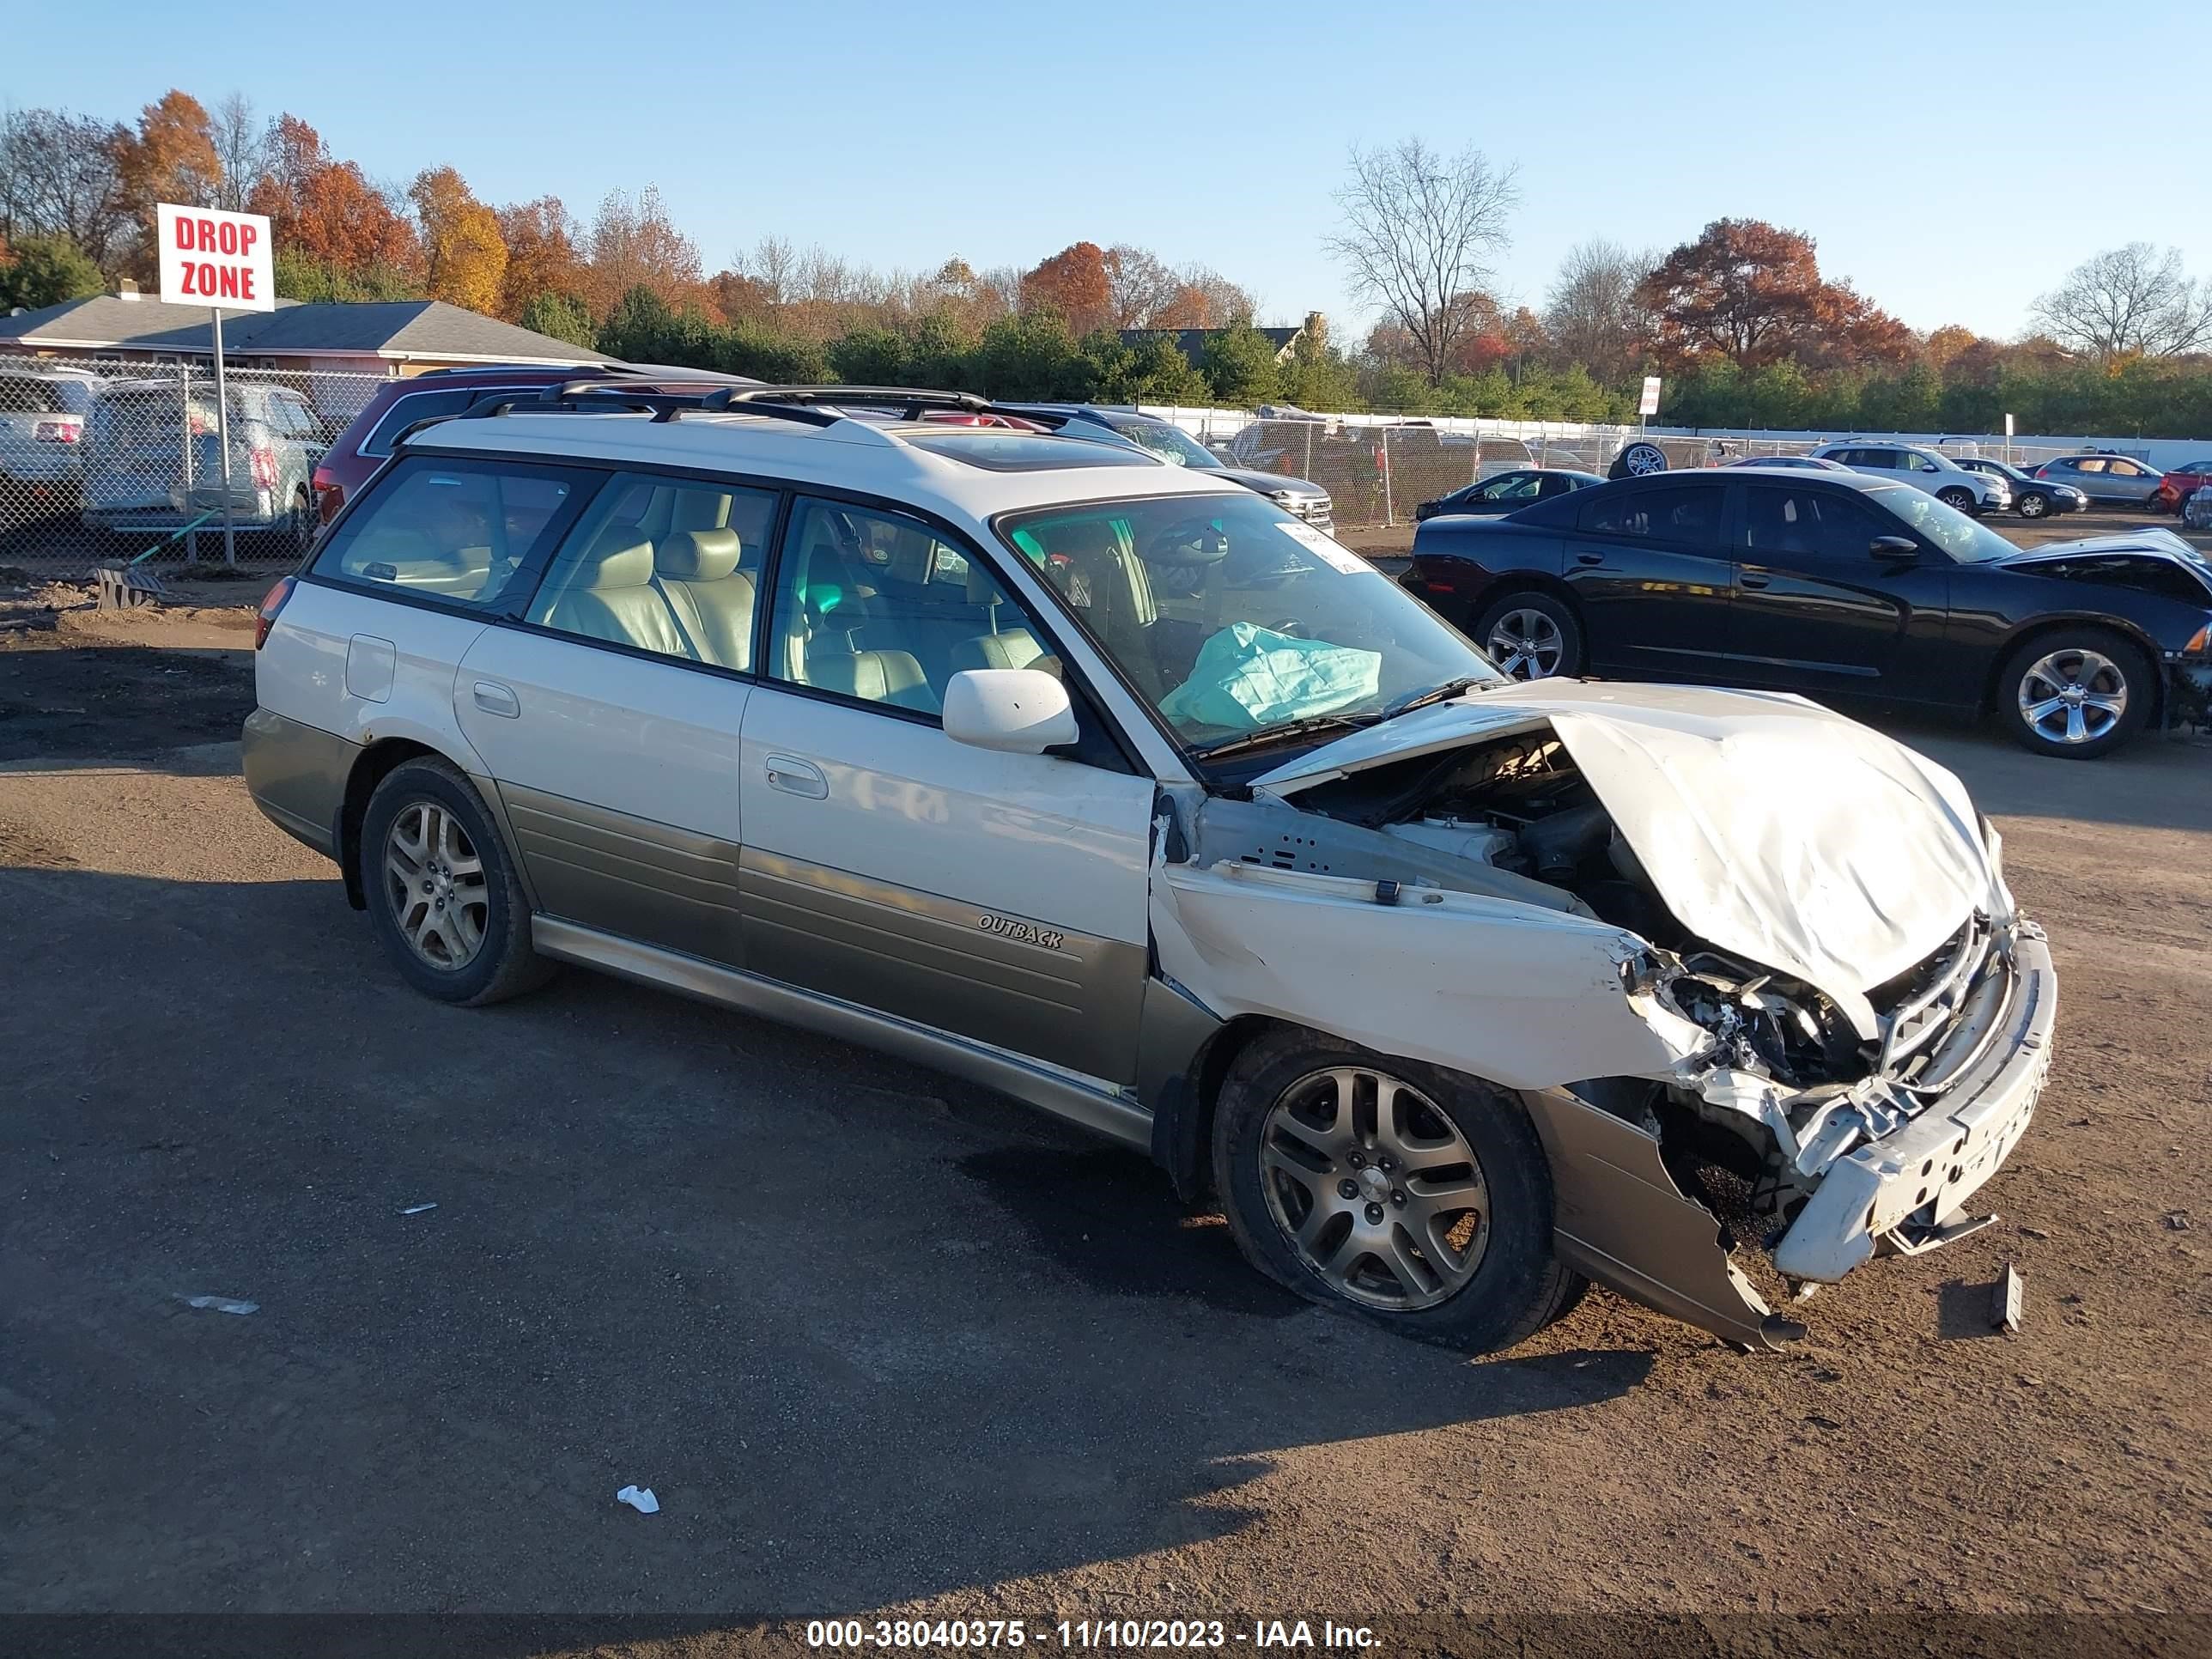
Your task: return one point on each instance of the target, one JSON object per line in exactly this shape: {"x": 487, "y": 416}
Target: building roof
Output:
{"x": 399, "y": 330}
{"x": 1192, "y": 341}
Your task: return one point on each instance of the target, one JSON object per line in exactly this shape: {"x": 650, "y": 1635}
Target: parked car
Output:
{"x": 2196, "y": 510}
{"x": 1508, "y": 492}
{"x": 2031, "y": 497}
{"x": 1923, "y": 469}
{"x": 1833, "y": 585}
{"x": 1171, "y": 443}
{"x": 366, "y": 441}
{"x": 1802, "y": 463}
{"x": 152, "y": 458}
{"x": 42, "y": 416}
{"x": 2180, "y": 483}
{"x": 2120, "y": 479}
{"x": 1433, "y": 978}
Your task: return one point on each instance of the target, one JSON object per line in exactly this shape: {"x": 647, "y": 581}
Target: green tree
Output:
{"x": 1029, "y": 355}
{"x": 560, "y": 317}
{"x": 1240, "y": 366}
{"x": 44, "y": 270}
{"x": 1160, "y": 374}
{"x": 1318, "y": 378}
{"x": 299, "y": 276}
{"x": 869, "y": 357}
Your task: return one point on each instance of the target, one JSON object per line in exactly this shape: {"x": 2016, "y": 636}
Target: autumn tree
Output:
{"x": 2131, "y": 299}
{"x": 1945, "y": 344}
{"x": 633, "y": 245}
{"x": 170, "y": 158}
{"x": 1073, "y": 283}
{"x": 1754, "y": 293}
{"x": 1594, "y": 312}
{"x": 465, "y": 255}
{"x": 241, "y": 142}
{"x": 541, "y": 255}
{"x": 57, "y": 179}
{"x": 326, "y": 214}
{"x": 1420, "y": 230}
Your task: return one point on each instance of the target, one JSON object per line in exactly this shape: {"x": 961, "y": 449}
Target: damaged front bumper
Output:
{"x": 1623, "y": 1219}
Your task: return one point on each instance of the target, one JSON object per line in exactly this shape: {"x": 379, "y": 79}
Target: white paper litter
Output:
{"x": 417, "y": 1209}
{"x": 639, "y": 1498}
{"x": 220, "y": 1303}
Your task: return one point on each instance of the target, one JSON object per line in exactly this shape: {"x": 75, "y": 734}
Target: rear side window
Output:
{"x": 1684, "y": 512}
{"x": 454, "y": 530}
{"x": 414, "y": 406}
{"x": 26, "y": 395}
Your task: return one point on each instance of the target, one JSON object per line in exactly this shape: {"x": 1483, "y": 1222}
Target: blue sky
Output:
{"x": 1954, "y": 171}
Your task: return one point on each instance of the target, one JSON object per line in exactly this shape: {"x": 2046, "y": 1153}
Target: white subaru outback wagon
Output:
{"x": 1134, "y": 797}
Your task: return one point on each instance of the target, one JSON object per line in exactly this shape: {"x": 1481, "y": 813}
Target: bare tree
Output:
{"x": 1592, "y": 313}
{"x": 58, "y": 178}
{"x": 241, "y": 145}
{"x": 1420, "y": 228}
{"x": 2129, "y": 299}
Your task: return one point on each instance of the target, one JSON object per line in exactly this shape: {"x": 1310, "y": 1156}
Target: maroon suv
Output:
{"x": 366, "y": 443}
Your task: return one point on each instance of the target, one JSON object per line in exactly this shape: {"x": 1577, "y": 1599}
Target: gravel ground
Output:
{"x": 883, "y": 1343}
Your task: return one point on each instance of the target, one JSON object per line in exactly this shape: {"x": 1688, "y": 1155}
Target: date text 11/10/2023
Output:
{"x": 1091, "y": 1634}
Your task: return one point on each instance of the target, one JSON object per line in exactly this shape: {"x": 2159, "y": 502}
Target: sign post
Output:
{"x": 223, "y": 261}
{"x": 1648, "y": 404}
{"x": 2007, "y": 438}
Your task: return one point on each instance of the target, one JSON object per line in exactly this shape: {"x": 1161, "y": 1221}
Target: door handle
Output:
{"x": 1752, "y": 579}
{"x": 496, "y": 699}
{"x": 797, "y": 777}
{"x": 1589, "y": 558}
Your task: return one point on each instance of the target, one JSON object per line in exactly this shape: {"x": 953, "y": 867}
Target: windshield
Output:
{"x": 1233, "y": 620}
{"x": 1949, "y": 528}
{"x": 1170, "y": 443}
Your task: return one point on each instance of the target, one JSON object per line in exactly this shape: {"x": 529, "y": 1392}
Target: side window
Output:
{"x": 2126, "y": 469}
{"x": 874, "y": 605}
{"x": 455, "y": 530}
{"x": 1919, "y": 463}
{"x": 1811, "y": 524}
{"x": 1887, "y": 459}
{"x": 668, "y": 565}
{"x": 2091, "y": 463}
{"x": 1688, "y": 513}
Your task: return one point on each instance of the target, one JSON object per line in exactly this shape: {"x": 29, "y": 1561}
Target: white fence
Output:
{"x": 102, "y": 461}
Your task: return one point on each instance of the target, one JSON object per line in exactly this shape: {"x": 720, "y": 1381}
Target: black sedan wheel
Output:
{"x": 2034, "y": 504}
{"x": 1532, "y": 636}
{"x": 2076, "y": 694}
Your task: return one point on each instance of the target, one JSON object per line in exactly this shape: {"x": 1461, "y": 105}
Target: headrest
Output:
{"x": 982, "y": 588}
{"x": 700, "y": 509}
{"x": 618, "y": 567}
{"x": 698, "y": 555}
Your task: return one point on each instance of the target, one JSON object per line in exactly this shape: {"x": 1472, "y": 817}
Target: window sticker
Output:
{"x": 1334, "y": 553}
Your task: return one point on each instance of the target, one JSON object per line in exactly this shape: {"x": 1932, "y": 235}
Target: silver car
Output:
{"x": 153, "y": 459}
{"x": 2105, "y": 478}
{"x": 42, "y": 422}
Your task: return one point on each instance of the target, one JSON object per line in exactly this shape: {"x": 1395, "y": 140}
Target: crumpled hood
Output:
{"x": 1774, "y": 828}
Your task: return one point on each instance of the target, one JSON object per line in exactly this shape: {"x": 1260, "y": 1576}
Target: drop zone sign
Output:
{"x": 211, "y": 258}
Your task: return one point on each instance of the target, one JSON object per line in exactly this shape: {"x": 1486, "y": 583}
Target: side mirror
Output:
{"x": 1014, "y": 711}
{"x": 1895, "y": 550}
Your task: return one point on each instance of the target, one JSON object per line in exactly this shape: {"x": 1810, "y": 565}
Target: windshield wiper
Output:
{"x": 1290, "y": 732}
{"x": 1444, "y": 693}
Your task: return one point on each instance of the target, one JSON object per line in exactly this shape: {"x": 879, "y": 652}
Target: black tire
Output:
{"x": 1562, "y": 618}
{"x": 2033, "y": 504}
{"x": 1517, "y": 1286}
{"x": 1961, "y": 498}
{"x": 1638, "y": 460}
{"x": 502, "y": 963}
{"x": 2046, "y": 654}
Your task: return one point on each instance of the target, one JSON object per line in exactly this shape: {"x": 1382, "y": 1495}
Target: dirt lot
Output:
{"x": 883, "y": 1343}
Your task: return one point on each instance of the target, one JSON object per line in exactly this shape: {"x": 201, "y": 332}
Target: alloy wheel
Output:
{"x": 2031, "y": 507}
{"x": 435, "y": 881}
{"x": 2073, "y": 695}
{"x": 1375, "y": 1188}
{"x": 1527, "y": 645}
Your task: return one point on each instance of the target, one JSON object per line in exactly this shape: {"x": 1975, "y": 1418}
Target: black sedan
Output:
{"x": 1839, "y": 586}
{"x": 1508, "y": 492}
{"x": 2031, "y": 497}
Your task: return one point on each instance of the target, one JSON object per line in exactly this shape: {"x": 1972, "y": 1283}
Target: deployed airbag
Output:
{"x": 1247, "y": 676}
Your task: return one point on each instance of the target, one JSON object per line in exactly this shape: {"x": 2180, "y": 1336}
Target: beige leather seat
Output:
{"x": 610, "y": 595}
{"x": 1012, "y": 646}
{"x": 697, "y": 572}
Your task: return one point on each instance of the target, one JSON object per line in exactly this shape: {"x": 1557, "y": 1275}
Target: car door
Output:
{"x": 1652, "y": 572}
{"x": 1816, "y": 611}
{"x": 610, "y": 712}
{"x": 2129, "y": 480}
{"x": 1001, "y": 897}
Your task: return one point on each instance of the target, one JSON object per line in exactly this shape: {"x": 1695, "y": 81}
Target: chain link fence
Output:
{"x": 104, "y": 462}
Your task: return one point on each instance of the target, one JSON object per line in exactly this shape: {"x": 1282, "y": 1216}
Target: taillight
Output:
{"x": 271, "y": 603}
{"x": 329, "y": 495}
{"x": 264, "y": 463}
{"x": 68, "y": 430}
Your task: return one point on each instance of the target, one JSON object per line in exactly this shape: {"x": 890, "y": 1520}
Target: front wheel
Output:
{"x": 1411, "y": 1196}
{"x": 1954, "y": 497}
{"x": 2034, "y": 504}
{"x": 442, "y": 895}
{"x": 1531, "y": 635}
{"x": 2076, "y": 694}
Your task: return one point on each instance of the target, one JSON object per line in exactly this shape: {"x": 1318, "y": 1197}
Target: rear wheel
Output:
{"x": 1411, "y": 1196}
{"x": 2076, "y": 694}
{"x": 442, "y": 895}
{"x": 1532, "y": 636}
